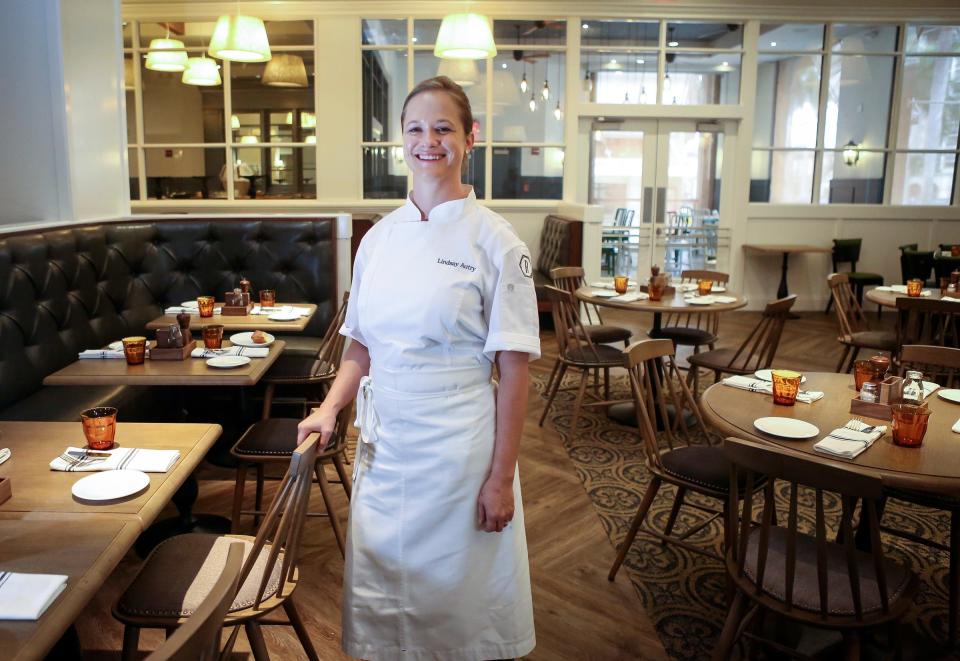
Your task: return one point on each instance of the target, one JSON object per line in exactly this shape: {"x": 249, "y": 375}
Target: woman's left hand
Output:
{"x": 495, "y": 504}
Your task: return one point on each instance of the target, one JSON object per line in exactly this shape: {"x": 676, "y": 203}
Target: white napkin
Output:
{"x": 602, "y": 285}
{"x": 100, "y": 353}
{"x": 759, "y": 385}
{"x": 284, "y": 309}
{"x": 235, "y": 350}
{"x": 148, "y": 461}
{"x": 702, "y": 299}
{"x": 846, "y": 442}
{"x": 724, "y": 299}
{"x": 177, "y": 309}
{"x": 27, "y": 596}
{"x": 631, "y": 297}
{"x": 956, "y": 427}
{"x": 687, "y": 286}
{"x": 929, "y": 387}
{"x": 950, "y": 299}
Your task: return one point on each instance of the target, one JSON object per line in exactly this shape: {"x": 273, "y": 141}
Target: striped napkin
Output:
{"x": 80, "y": 460}
{"x": 100, "y": 353}
{"x": 27, "y": 596}
{"x": 848, "y": 441}
{"x": 759, "y": 385}
{"x": 177, "y": 309}
{"x": 235, "y": 350}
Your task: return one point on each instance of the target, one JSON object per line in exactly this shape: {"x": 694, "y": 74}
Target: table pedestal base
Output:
{"x": 625, "y": 414}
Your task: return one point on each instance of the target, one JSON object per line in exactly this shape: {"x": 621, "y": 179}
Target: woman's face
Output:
{"x": 434, "y": 142}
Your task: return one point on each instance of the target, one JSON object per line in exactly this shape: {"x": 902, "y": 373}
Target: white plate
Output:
{"x": 717, "y": 290}
{"x": 700, "y": 301}
{"x": 115, "y": 346}
{"x": 227, "y": 362}
{"x": 244, "y": 340}
{"x": 950, "y": 394}
{"x": 110, "y": 484}
{"x": 283, "y": 316}
{"x": 766, "y": 375}
{"x": 786, "y": 427}
{"x": 190, "y": 304}
{"x": 597, "y": 294}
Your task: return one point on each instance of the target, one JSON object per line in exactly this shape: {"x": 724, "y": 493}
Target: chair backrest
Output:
{"x": 330, "y": 352}
{"x": 282, "y": 525}
{"x": 569, "y": 329}
{"x": 909, "y": 246}
{"x": 758, "y": 461}
{"x": 850, "y": 315}
{"x": 846, "y": 251}
{"x": 760, "y": 346}
{"x": 656, "y": 383}
{"x": 926, "y": 321}
{"x": 198, "y": 639}
{"x": 570, "y": 278}
{"x": 916, "y": 264}
{"x": 695, "y": 275}
{"x": 692, "y": 319}
{"x": 938, "y": 364}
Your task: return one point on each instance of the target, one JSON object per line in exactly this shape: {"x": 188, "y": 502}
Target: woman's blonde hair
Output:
{"x": 443, "y": 84}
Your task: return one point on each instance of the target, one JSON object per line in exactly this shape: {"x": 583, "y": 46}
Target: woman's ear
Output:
{"x": 470, "y": 141}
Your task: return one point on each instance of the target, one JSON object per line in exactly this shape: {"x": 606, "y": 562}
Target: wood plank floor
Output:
{"x": 578, "y": 613}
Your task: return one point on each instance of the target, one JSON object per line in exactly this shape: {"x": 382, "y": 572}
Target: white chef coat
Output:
{"x": 433, "y": 302}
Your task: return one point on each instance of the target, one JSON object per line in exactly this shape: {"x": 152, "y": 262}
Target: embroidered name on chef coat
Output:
{"x": 456, "y": 264}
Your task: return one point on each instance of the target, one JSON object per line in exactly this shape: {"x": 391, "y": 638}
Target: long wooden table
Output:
{"x": 44, "y": 529}
{"x": 934, "y": 467}
{"x": 249, "y": 322}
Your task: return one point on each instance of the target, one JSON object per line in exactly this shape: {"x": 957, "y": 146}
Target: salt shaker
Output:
{"x": 869, "y": 392}
{"x": 913, "y": 387}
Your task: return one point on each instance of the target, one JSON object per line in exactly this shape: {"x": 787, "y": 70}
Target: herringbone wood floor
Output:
{"x": 578, "y": 613}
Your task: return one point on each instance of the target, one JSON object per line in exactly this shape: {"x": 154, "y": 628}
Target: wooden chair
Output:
{"x": 199, "y": 638}
{"x": 802, "y": 577}
{"x": 690, "y": 328}
{"x": 926, "y": 321}
{"x": 938, "y": 364}
{"x": 273, "y": 441}
{"x": 180, "y": 572}
{"x": 656, "y": 383}
{"x": 576, "y": 349}
{"x": 310, "y": 376}
{"x": 855, "y": 333}
{"x": 847, "y": 251}
{"x": 755, "y": 352}
{"x": 570, "y": 278}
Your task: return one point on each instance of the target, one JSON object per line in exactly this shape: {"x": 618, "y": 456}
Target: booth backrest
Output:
{"x": 65, "y": 290}
{"x": 561, "y": 244}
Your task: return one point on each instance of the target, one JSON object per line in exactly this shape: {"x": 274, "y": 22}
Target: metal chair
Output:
{"x": 855, "y": 333}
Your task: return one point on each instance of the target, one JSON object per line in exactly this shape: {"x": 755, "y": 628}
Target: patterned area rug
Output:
{"x": 683, "y": 592}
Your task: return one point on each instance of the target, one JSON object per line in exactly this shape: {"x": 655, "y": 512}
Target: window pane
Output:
{"x": 702, "y": 78}
{"x": 704, "y": 35}
{"x": 384, "y": 173}
{"x": 616, "y": 177}
{"x": 781, "y": 177}
{"x": 469, "y": 74}
{"x": 521, "y": 173}
{"x": 425, "y": 32}
{"x": 474, "y": 174}
{"x": 185, "y": 173}
{"x": 929, "y": 103}
{"x": 384, "y": 32}
{"x": 933, "y": 38}
{"x": 134, "y": 171}
{"x": 290, "y": 33}
{"x": 513, "y": 121}
{"x": 620, "y": 77}
{"x": 177, "y": 113}
{"x": 255, "y": 102}
{"x": 788, "y": 87}
{"x": 923, "y": 178}
{"x": 864, "y": 38}
{"x": 130, "y": 99}
{"x": 858, "y": 102}
{"x": 384, "y": 89}
{"x": 787, "y": 37}
{"x": 193, "y": 35}
{"x": 619, "y": 33}
{"x": 537, "y": 32}
{"x": 292, "y": 174}
{"x": 860, "y": 182}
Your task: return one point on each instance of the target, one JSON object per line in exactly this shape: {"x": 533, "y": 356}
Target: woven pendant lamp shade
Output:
{"x": 285, "y": 70}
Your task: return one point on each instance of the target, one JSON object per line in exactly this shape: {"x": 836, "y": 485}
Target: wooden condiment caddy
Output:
{"x": 891, "y": 391}
{"x": 236, "y": 304}
{"x": 173, "y": 353}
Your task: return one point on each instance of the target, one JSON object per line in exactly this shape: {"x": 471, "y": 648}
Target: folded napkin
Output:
{"x": 929, "y": 387}
{"x": 759, "y": 385}
{"x": 687, "y": 286}
{"x": 956, "y": 427}
{"x": 100, "y": 353}
{"x": 702, "y": 299}
{"x": 177, "y": 309}
{"x": 27, "y": 596}
{"x": 284, "y": 309}
{"x": 631, "y": 297}
{"x": 602, "y": 285}
{"x": 950, "y": 299}
{"x": 148, "y": 461}
{"x": 724, "y": 299}
{"x": 847, "y": 442}
{"x": 235, "y": 350}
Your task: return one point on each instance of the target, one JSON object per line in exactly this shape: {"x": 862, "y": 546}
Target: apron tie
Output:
{"x": 367, "y": 421}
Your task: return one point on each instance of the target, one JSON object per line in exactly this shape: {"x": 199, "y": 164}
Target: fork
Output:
{"x": 864, "y": 430}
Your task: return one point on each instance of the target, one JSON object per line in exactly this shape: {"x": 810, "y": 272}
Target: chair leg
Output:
{"x": 727, "y": 637}
{"x": 258, "y": 499}
{"x": 638, "y": 518}
{"x": 954, "y": 577}
{"x": 331, "y": 511}
{"x": 131, "y": 641}
{"x": 267, "y": 400}
{"x": 300, "y": 630}
{"x": 257, "y": 644}
{"x": 553, "y": 393}
{"x": 606, "y": 383}
{"x": 851, "y": 645}
{"x": 238, "y": 497}
{"x": 579, "y": 401}
{"x": 553, "y": 375}
{"x": 344, "y": 474}
{"x": 843, "y": 358}
{"x": 674, "y": 511}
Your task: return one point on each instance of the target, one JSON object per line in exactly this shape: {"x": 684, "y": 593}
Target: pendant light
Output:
{"x": 557, "y": 112}
{"x": 240, "y": 38}
{"x": 533, "y": 97}
{"x": 545, "y": 92}
{"x": 234, "y": 122}
{"x": 285, "y": 70}
{"x": 201, "y": 71}
{"x": 167, "y": 55}
{"x": 466, "y": 37}
{"x": 463, "y": 72}
{"x": 587, "y": 82}
{"x": 523, "y": 81}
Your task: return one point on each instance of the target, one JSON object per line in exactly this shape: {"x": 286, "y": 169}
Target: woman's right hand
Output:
{"x": 322, "y": 420}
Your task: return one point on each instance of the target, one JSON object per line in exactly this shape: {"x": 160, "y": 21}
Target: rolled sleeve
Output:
{"x": 511, "y": 308}
{"x": 351, "y": 322}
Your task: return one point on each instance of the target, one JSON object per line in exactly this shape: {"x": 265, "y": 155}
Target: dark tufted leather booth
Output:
{"x": 75, "y": 288}
{"x": 561, "y": 244}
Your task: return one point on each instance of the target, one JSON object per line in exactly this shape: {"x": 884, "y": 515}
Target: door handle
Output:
{"x": 661, "y": 204}
{"x": 647, "y": 210}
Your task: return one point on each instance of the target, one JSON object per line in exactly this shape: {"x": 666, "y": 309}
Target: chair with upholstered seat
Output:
{"x": 916, "y": 264}
{"x": 180, "y": 572}
{"x": 755, "y": 352}
{"x": 847, "y": 251}
{"x": 855, "y": 333}
{"x": 800, "y": 576}
{"x": 570, "y": 278}
{"x": 659, "y": 389}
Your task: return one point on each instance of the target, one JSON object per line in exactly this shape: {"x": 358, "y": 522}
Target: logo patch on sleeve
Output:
{"x": 525, "y": 267}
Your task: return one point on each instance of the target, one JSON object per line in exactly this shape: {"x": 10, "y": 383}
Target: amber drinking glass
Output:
{"x": 205, "y": 303}
{"x": 620, "y": 283}
{"x": 863, "y": 371}
{"x": 786, "y": 385}
{"x": 213, "y": 336}
{"x": 268, "y": 298}
{"x": 909, "y": 424}
{"x": 135, "y": 349}
{"x": 99, "y": 426}
{"x": 704, "y": 287}
{"x": 914, "y": 287}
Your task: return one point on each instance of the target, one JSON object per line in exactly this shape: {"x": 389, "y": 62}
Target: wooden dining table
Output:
{"x": 246, "y": 322}
{"x": 45, "y": 529}
{"x": 889, "y": 298}
{"x": 934, "y": 467}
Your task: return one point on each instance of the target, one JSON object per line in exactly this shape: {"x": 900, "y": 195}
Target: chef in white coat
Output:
{"x": 436, "y": 564}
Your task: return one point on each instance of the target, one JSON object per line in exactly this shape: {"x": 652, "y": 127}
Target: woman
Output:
{"x": 436, "y": 563}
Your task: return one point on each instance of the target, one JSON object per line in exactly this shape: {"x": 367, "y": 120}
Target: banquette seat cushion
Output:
{"x": 80, "y": 287}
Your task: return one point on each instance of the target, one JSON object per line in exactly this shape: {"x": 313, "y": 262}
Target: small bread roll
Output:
{"x": 258, "y": 337}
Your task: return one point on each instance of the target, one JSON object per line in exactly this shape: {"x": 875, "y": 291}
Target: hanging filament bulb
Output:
{"x": 626, "y": 97}
{"x": 587, "y": 83}
{"x": 533, "y": 102}
{"x": 523, "y": 83}
{"x": 557, "y": 112}
{"x": 545, "y": 92}
{"x": 643, "y": 94}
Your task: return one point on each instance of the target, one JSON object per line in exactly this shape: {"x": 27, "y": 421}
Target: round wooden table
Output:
{"x": 889, "y": 298}
{"x": 934, "y": 467}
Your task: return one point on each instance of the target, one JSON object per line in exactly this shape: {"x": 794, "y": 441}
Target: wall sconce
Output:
{"x": 851, "y": 153}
